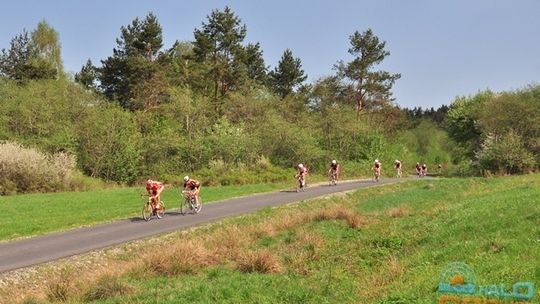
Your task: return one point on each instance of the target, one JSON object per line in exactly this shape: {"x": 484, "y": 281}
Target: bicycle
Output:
{"x": 150, "y": 208}
{"x": 301, "y": 183}
{"x": 377, "y": 176}
{"x": 333, "y": 178}
{"x": 191, "y": 202}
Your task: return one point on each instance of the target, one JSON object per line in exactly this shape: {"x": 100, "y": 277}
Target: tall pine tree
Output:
{"x": 126, "y": 75}
{"x": 287, "y": 75}
{"x": 369, "y": 88}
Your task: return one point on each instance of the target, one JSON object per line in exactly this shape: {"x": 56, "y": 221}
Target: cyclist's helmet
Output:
{"x": 186, "y": 178}
{"x": 376, "y": 160}
{"x": 300, "y": 166}
{"x": 397, "y": 161}
{"x": 334, "y": 162}
{"x": 148, "y": 182}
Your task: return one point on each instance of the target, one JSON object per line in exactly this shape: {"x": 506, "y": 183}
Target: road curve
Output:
{"x": 36, "y": 250}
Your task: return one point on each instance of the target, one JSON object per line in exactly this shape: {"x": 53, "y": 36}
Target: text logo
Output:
{"x": 458, "y": 285}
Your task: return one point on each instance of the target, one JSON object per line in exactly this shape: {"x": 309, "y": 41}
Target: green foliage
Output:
{"x": 41, "y": 113}
{"x": 109, "y": 144}
{"x": 501, "y": 131}
{"x": 132, "y": 76}
{"x": 505, "y": 153}
{"x": 34, "y": 57}
{"x": 462, "y": 119}
{"x": 87, "y": 76}
{"x": 287, "y": 75}
{"x": 371, "y": 89}
{"x": 224, "y": 62}
{"x": 46, "y": 47}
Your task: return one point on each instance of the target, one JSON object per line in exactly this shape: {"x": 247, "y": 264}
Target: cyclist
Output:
{"x": 193, "y": 187}
{"x": 424, "y": 170}
{"x": 154, "y": 189}
{"x": 335, "y": 169}
{"x": 377, "y": 169}
{"x": 418, "y": 169}
{"x": 301, "y": 173}
{"x": 397, "y": 165}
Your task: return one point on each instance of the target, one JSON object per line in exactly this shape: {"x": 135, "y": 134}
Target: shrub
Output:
{"x": 61, "y": 287}
{"x": 505, "y": 154}
{"x": 106, "y": 287}
{"x": 262, "y": 261}
{"x": 29, "y": 170}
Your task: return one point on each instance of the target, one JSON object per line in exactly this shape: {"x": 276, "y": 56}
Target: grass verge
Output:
{"x": 36, "y": 214}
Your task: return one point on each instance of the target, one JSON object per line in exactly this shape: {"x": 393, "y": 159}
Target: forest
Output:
{"x": 213, "y": 108}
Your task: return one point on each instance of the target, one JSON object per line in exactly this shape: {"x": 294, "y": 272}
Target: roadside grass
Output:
{"x": 382, "y": 245}
{"x": 36, "y": 214}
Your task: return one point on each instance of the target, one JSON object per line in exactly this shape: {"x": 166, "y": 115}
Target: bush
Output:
{"x": 29, "y": 170}
{"x": 505, "y": 154}
{"x": 106, "y": 287}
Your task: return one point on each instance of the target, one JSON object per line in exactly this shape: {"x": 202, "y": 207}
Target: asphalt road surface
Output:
{"x": 36, "y": 250}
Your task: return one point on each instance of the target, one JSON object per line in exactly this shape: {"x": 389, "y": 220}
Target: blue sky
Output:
{"x": 442, "y": 49}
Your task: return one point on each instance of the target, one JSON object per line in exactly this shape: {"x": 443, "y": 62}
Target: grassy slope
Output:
{"x": 35, "y": 214}
{"x": 414, "y": 229}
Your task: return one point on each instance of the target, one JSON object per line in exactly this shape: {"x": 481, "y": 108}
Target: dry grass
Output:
{"x": 381, "y": 278}
{"x": 62, "y": 286}
{"x": 229, "y": 244}
{"x": 398, "y": 212}
{"x": 305, "y": 248}
{"x": 108, "y": 286}
{"x": 353, "y": 219}
{"x": 261, "y": 261}
{"x": 180, "y": 258}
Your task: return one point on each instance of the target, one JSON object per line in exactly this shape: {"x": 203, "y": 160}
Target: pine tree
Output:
{"x": 87, "y": 76}
{"x": 369, "y": 88}
{"x": 287, "y": 75}
{"x": 133, "y": 65}
{"x": 218, "y": 45}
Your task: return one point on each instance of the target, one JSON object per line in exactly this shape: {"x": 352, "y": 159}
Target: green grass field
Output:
{"x": 36, "y": 214}
{"x": 411, "y": 231}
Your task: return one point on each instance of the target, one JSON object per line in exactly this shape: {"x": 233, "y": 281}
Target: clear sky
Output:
{"x": 442, "y": 49}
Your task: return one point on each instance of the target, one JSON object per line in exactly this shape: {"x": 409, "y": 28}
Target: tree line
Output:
{"x": 213, "y": 105}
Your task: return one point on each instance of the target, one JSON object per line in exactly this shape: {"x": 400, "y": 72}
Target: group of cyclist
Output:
{"x": 335, "y": 170}
{"x": 191, "y": 187}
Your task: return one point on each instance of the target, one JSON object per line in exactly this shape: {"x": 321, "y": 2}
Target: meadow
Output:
{"x": 380, "y": 245}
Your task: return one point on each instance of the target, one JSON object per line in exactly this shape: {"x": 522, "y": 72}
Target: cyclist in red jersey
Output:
{"x": 154, "y": 189}
{"x": 335, "y": 169}
{"x": 193, "y": 186}
{"x": 418, "y": 169}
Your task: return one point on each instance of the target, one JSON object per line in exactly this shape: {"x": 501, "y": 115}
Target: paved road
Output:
{"x": 32, "y": 251}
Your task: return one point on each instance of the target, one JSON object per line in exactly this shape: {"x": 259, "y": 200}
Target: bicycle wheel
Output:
{"x": 197, "y": 208}
{"x": 160, "y": 210}
{"x": 147, "y": 212}
{"x": 184, "y": 206}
